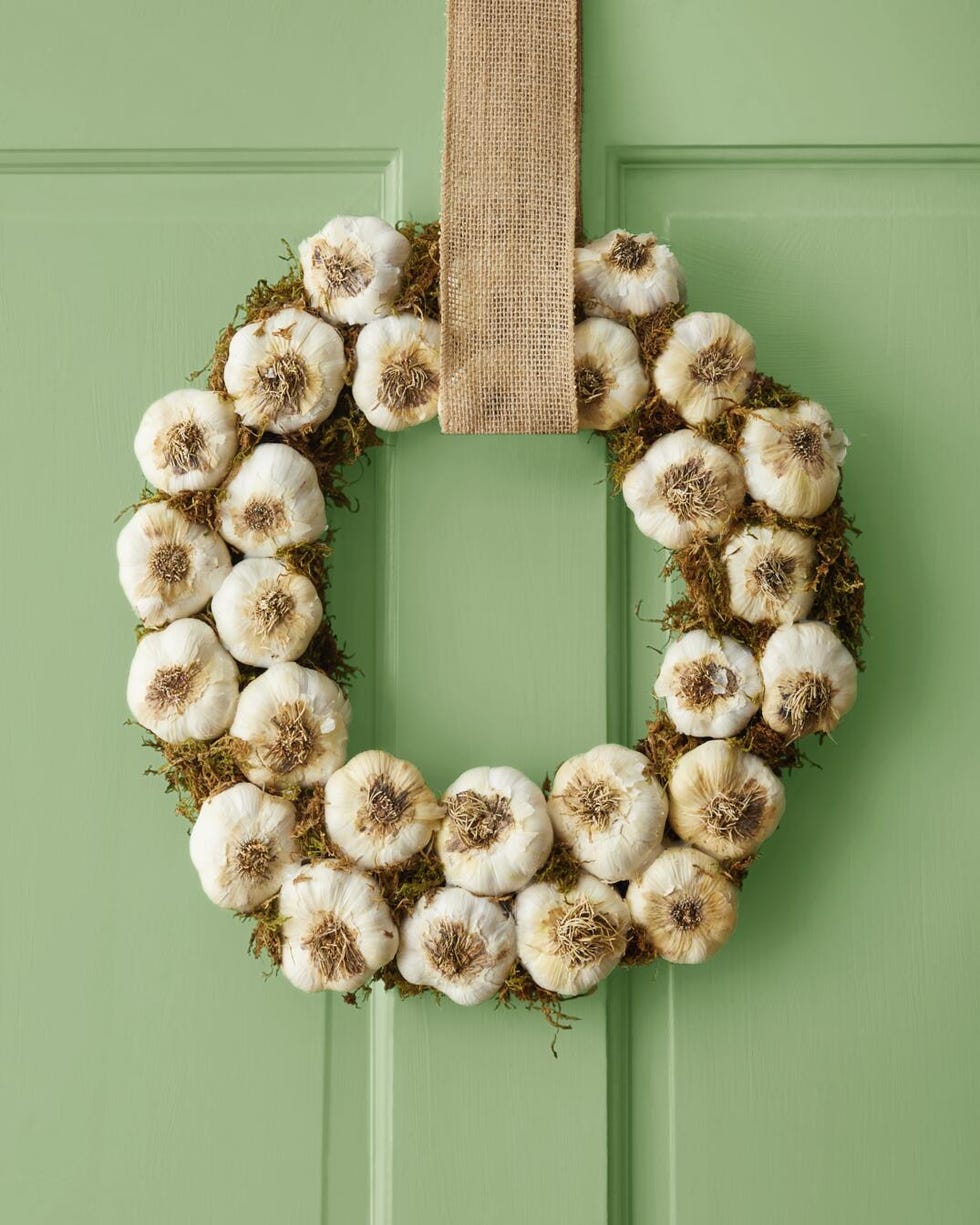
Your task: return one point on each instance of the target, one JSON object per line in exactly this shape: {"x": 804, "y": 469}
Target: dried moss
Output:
{"x": 196, "y": 769}
{"x": 561, "y": 868}
{"x": 403, "y": 886}
{"x": 335, "y": 446}
{"x": 265, "y": 939}
{"x": 420, "y": 275}
{"x": 520, "y": 989}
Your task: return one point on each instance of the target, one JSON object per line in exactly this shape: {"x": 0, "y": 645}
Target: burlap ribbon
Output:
{"x": 509, "y": 205}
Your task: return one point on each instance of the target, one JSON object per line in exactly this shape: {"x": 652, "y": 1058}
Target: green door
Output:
{"x": 817, "y": 170}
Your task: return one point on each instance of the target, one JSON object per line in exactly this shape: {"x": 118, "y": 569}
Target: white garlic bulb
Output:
{"x": 810, "y": 679}
{"x": 293, "y": 722}
{"x": 285, "y": 372}
{"x": 169, "y": 567}
{"x": 627, "y": 274}
{"x": 187, "y": 440}
{"x": 684, "y": 905}
{"x": 337, "y": 929}
{"x": 706, "y": 366}
{"x": 723, "y": 800}
{"x": 265, "y": 612}
{"x": 712, "y": 686}
{"x": 352, "y": 268}
{"x": 460, "y": 944}
{"x": 792, "y": 458}
{"x": 396, "y": 383}
{"x": 496, "y": 833}
{"x": 569, "y": 939}
{"x": 609, "y": 378}
{"x": 183, "y": 684}
{"x": 379, "y": 811}
{"x": 609, "y": 809}
{"x": 770, "y": 574}
{"x": 242, "y": 844}
{"x": 683, "y": 487}
{"x": 273, "y": 500}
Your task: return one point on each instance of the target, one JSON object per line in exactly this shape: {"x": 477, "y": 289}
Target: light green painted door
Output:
{"x": 816, "y": 169}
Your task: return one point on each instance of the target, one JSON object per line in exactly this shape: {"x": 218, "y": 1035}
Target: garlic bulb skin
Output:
{"x": 273, "y": 500}
{"x": 684, "y": 487}
{"x": 570, "y": 940}
{"x": 293, "y": 725}
{"x": 337, "y": 929}
{"x": 183, "y": 684}
{"x": 187, "y": 440}
{"x": 169, "y": 567}
{"x": 460, "y": 944}
{"x": 352, "y": 268}
{"x": 724, "y": 801}
{"x": 496, "y": 833}
{"x": 684, "y": 905}
{"x": 265, "y": 613}
{"x": 285, "y": 372}
{"x": 770, "y": 574}
{"x": 609, "y": 378}
{"x": 242, "y": 845}
{"x": 609, "y": 809}
{"x": 707, "y": 365}
{"x": 792, "y": 458}
{"x": 626, "y": 274}
{"x": 711, "y": 686}
{"x": 396, "y": 383}
{"x": 810, "y": 679}
{"x": 379, "y": 811}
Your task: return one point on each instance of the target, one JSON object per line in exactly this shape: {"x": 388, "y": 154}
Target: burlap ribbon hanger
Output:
{"x": 509, "y": 216}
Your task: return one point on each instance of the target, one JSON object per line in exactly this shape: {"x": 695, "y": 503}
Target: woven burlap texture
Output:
{"x": 509, "y": 201}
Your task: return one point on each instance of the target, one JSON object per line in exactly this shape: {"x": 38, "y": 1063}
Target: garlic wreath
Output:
{"x": 724, "y": 800}
{"x": 336, "y": 929}
{"x": 458, "y": 943}
{"x": 810, "y": 679}
{"x": 187, "y": 440}
{"x": 609, "y": 809}
{"x": 352, "y": 268}
{"x": 712, "y": 686}
{"x": 792, "y": 458}
{"x": 683, "y": 488}
{"x": 684, "y": 905}
{"x": 609, "y": 379}
{"x": 396, "y": 383}
{"x": 265, "y": 613}
{"x": 770, "y": 574}
{"x": 379, "y": 811}
{"x": 496, "y": 833}
{"x": 169, "y": 567}
{"x": 569, "y": 939}
{"x": 285, "y": 372}
{"x": 273, "y": 500}
{"x": 706, "y": 365}
{"x": 627, "y": 274}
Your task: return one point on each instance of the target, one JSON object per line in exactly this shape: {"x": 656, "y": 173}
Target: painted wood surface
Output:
{"x": 816, "y": 169}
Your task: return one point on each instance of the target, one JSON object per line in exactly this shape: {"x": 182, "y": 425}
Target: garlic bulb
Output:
{"x": 183, "y": 684}
{"x": 379, "y": 811}
{"x": 242, "y": 845}
{"x": 706, "y": 365}
{"x": 273, "y": 500}
{"x": 684, "y": 905}
{"x": 187, "y": 440}
{"x": 792, "y": 458}
{"x": 463, "y": 945}
{"x": 352, "y": 268}
{"x": 723, "y": 800}
{"x": 396, "y": 383}
{"x": 496, "y": 833}
{"x": 169, "y": 567}
{"x": 337, "y": 929}
{"x": 293, "y": 722}
{"x": 627, "y": 274}
{"x": 265, "y": 612}
{"x": 712, "y": 686}
{"x": 285, "y": 372}
{"x": 609, "y": 809}
{"x": 569, "y": 940}
{"x": 770, "y": 574}
{"x": 682, "y": 488}
{"x": 810, "y": 679}
{"x": 609, "y": 379}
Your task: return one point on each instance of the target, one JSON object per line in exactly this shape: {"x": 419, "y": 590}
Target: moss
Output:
{"x": 196, "y": 769}
{"x": 561, "y": 868}
{"x": 265, "y": 939}
{"x": 520, "y": 989}
{"x": 405, "y": 885}
{"x": 420, "y": 276}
